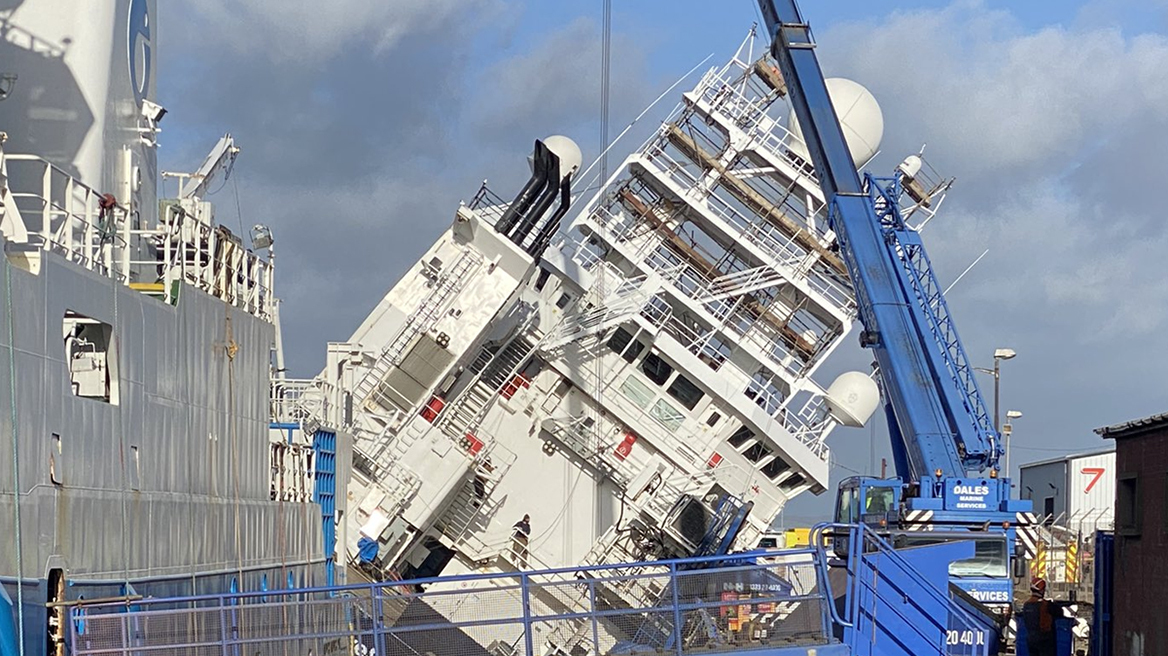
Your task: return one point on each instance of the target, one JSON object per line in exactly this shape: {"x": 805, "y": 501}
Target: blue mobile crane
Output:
{"x": 945, "y": 448}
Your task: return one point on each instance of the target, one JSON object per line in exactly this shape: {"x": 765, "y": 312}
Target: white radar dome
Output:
{"x": 859, "y": 115}
{"x": 852, "y": 398}
{"x": 567, "y": 151}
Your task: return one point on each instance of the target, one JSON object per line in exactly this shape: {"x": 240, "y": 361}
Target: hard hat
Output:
{"x": 1039, "y": 586}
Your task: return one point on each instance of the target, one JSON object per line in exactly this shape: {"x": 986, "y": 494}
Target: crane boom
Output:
{"x": 938, "y": 418}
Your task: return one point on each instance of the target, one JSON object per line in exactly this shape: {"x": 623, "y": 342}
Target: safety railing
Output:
{"x": 708, "y": 605}
{"x": 63, "y": 215}
{"x": 886, "y": 598}
{"x": 796, "y": 262}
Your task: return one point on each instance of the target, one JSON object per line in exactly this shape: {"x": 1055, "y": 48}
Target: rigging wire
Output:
{"x": 605, "y": 79}
{"x": 15, "y": 452}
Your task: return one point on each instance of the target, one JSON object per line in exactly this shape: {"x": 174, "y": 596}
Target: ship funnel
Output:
{"x": 852, "y": 398}
{"x": 553, "y": 163}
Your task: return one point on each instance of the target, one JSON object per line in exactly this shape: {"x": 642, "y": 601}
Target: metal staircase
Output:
{"x": 492, "y": 372}
{"x": 446, "y": 285}
{"x": 626, "y": 300}
{"x": 739, "y": 283}
{"x": 475, "y": 498}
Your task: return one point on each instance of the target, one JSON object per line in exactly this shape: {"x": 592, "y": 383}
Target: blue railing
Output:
{"x": 717, "y": 604}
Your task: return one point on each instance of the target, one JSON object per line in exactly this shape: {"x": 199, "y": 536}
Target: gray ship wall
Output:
{"x": 197, "y": 499}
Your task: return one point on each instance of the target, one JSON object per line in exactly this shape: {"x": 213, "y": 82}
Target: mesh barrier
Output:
{"x": 648, "y": 608}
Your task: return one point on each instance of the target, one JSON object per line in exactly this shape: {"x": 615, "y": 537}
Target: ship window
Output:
{"x": 756, "y": 452}
{"x": 564, "y": 301}
{"x": 544, "y": 274}
{"x": 90, "y": 356}
{"x": 686, "y": 392}
{"x": 793, "y": 482}
{"x": 622, "y": 342}
{"x": 656, "y": 369}
{"x": 713, "y": 418}
{"x": 740, "y": 436}
{"x": 775, "y": 468}
{"x": 637, "y": 392}
{"x": 56, "y": 476}
{"x": 666, "y": 415}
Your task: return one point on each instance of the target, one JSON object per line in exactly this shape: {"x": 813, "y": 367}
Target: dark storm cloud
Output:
{"x": 364, "y": 126}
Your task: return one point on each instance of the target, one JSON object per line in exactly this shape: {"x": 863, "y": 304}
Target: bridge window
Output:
{"x": 756, "y": 452}
{"x": 740, "y": 436}
{"x": 685, "y": 391}
{"x": 775, "y": 468}
{"x": 656, "y": 369}
{"x": 622, "y": 342}
{"x": 793, "y": 482}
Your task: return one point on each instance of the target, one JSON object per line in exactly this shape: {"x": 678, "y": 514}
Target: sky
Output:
{"x": 363, "y": 125}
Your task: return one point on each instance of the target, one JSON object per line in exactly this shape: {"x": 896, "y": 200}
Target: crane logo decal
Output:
{"x": 1095, "y": 473}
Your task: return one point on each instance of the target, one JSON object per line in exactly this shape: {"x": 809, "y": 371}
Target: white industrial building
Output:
{"x": 1075, "y": 491}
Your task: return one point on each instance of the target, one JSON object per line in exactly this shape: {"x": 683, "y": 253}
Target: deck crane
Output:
{"x": 944, "y": 445}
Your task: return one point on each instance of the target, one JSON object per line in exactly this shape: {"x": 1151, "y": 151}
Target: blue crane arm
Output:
{"x": 941, "y": 423}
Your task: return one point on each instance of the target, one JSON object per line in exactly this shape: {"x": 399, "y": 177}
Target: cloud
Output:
{"x": 359, "y": 140}
{"x": 308, "y": 32}
{"x": 556, "y": 83}
{"x": 1055, "y": 136}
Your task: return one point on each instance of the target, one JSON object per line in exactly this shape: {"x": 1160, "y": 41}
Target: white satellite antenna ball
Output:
{"x": 567, "y": 151}
{"x": 852, "y": 398}
{"x": 859, "y": 115}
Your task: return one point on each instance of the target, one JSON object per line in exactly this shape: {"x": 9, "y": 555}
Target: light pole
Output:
{"x": 1007, "y": 430}
{"x": 996, "y": 372}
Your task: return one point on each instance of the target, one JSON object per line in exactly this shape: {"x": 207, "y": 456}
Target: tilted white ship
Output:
{"x": 635, "y": 384}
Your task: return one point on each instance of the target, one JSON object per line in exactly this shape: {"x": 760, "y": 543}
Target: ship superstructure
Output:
{"x": 634, "y": 384}
{"x": 148, "y": 451}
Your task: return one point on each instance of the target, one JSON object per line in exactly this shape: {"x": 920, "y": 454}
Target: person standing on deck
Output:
{"x": 519, "y": 535}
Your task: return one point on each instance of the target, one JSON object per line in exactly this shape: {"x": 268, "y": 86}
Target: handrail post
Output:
{"x": 676, "y": 607}
{"x": 592, "y": 607}
{"x": 223, "y": 627}
{"x": 378, "y": 619}
{"x": 525, "y": 596}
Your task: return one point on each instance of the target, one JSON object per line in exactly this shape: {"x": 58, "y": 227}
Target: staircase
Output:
{"x": 624, "y": 301}
{"x": 474, "y": 498}
{"x": 420, "y": 320}
{"x": 739, "y": 283}
{"x": 493, "y": 371}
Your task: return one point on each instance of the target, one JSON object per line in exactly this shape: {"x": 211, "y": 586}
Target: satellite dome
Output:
{"x": 859, "y": 115}
{"x": 567, "y": 151}
{"x": 852, "y": 398}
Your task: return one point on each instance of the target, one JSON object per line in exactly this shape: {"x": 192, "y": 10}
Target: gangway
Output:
{"x": 873, "y": 600}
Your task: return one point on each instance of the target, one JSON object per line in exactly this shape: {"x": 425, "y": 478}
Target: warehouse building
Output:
{"x": 1140, "y": 619}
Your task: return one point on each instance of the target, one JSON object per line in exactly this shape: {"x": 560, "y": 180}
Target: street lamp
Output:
{"x": 996, "y": 372}
{"x": 1007, "y": 430}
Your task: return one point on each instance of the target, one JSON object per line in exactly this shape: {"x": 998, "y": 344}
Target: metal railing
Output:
{"x": 708, "y": 605}
{"x": 64, "y": 216}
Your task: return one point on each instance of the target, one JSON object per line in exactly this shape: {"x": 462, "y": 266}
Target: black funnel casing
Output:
{"x": 530, "y": 191}
{"x": 553, "y": 224}
{"x": 548, "y": 194}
